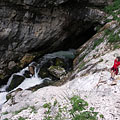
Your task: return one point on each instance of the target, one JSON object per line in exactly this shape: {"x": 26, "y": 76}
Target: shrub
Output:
{"x": 97, "y": 42}
{"x": 16, "y": 112}
{"x": 114, "y": 10}
{"x": 79, "y": 110}
{"x": 5, "y": 119}
{"x": 21, "y": 118}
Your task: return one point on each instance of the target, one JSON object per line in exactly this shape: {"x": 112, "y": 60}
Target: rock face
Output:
{"x": 57, "y": 71}
{"x": 90, "y": 81}
{"x": 38, "y": 25}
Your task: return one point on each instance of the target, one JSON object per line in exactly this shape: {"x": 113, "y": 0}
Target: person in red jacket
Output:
{"x": 114, "y": 69}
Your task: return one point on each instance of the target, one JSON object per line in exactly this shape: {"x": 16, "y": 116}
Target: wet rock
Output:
{"x": 26, "y": 59}
{"x": 59, "y": 62}
{"x": 47, "y": 81}
{"x": 46, "y": 62}
{"x": 12, "y": 94}
{"x": 57, "y": 71}
{"x": 43, "y": 73}
{"x": 27, "y": 74}
{"x": 16, "y": 80}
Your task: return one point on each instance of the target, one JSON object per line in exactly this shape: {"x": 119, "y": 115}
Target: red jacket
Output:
{"x": 116, "y": 63}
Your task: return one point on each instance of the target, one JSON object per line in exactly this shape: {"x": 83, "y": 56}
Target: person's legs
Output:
{"x": 112, "y": 74}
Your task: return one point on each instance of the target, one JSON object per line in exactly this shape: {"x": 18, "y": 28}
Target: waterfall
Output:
{"x": 34, "y": 79}
{"x": 27, "y": 83}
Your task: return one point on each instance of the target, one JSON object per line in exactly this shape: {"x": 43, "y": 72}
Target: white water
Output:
{"x": 30, "y": 82}
{"x": 27, "y": 83}
{"x": 34, "y": 80}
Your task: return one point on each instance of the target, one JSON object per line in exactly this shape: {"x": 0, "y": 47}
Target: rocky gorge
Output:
{"x": 89, "y": 78}
{"x": 29, "y": 29}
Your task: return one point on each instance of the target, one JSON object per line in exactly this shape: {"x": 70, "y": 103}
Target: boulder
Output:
{"x": 57, "y": 71}
{"x": 46, "y": 82}
{"x": 47, "y": 62}
{"x": 27, "y": 74}
{"x": 59, "y": 62}
{"x": 43, "y": 73}
{"x": 16, "y": 80}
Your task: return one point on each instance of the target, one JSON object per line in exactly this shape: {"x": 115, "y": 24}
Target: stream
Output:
{"x": 36, "y": 79}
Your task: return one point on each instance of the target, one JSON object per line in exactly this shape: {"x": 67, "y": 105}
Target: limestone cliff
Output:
{"x": 39, "y": 26}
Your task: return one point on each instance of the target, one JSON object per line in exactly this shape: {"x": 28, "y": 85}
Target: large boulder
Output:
{"x": 53, "y": 67}
{"x": 15, "y": 81}
{"x": 57, "y": 71}
{"x": 33, "y": 26}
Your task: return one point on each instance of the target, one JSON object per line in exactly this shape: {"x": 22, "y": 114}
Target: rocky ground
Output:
{"x": 94, "y": 87}
{"x": 90, "y": 80}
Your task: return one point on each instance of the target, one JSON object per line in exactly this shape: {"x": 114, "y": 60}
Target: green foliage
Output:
{"x": 101, "y": 116}
{"x": 101, "y": 60}
{"x": 113, "y": 7}
{"x": 116, "y": 46}
{"x": 5, "y": 119}
{"x": 47, "y": 105}
{"x": 79, "y": 110}
{"x": 82, "y": 65}
{"x": 55, "y": 103}
{"x": 97, "y": 42}
{"x": 33, "y": 109}
{"x": 112, "y": 36}
{"x": 5, "y": 113}
{"x": 107, "y": 31}
{"x": 81, "y": 61}
{"x": 8, "y": 96}
{"x": 58, "y": 114}
{"x": 87, "y": 115}
{"x": 92, "y": 108}
{"x": 98, "y": 27}
{"x": 78, "y": 104}
{"x": 16, "y": 112}
{"x": 21, "y": 118}
{"x": 114, "y": 10}
{"x": 81, "y": 58}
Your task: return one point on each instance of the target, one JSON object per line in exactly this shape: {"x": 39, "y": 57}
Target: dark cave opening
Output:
{"x": 74, "y": 42}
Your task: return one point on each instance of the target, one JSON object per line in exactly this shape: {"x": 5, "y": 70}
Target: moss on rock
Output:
{"x": 57, "y": 71}
{"x": 28, "y": 58}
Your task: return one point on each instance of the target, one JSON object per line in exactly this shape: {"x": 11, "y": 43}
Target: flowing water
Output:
{"x": 34, "y": 80}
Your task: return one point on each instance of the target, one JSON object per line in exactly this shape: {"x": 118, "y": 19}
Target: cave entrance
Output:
{"x": 74, "y": 42}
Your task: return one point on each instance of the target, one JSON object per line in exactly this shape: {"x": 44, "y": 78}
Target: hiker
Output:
{"x": 114, "y": 69}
